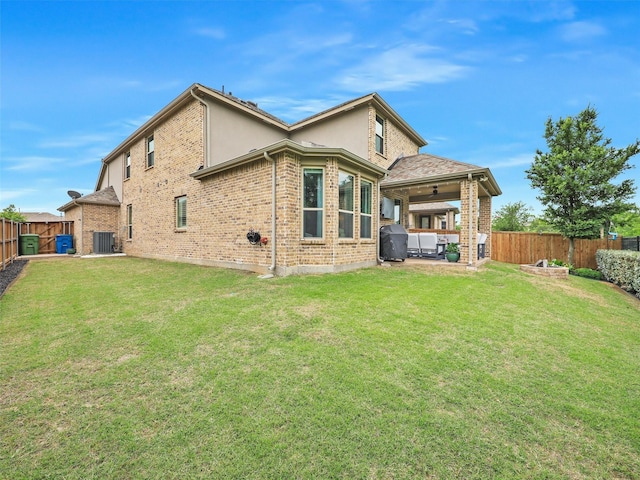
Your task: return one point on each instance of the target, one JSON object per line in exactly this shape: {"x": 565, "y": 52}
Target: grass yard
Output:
{"x": 132, "y": 368}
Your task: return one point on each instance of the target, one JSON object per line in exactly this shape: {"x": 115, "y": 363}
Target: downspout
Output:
{"x": 206, "y": 130}
{"x": 380, "y": 259}
{"x": 272, "y": 268}
{"x": 470, "y": 218}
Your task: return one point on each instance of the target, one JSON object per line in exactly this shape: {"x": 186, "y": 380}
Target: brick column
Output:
{"x": 468, "y": 215}
{"x": 485, "y": 223}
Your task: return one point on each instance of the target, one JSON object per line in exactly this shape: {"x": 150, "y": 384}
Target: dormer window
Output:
{"x": 379, "y": 135}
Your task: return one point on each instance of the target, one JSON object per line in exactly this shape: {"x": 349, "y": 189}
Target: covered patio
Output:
{"x": 426, "y": 178}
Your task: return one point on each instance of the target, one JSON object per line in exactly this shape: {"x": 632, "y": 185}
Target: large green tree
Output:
{"x": 512, "y": 217}
{"x": 11, "y": 213}
{"x": 576, "y": 176}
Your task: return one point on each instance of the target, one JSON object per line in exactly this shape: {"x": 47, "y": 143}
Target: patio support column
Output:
{"x": 468, "y": 221}
{"x": 485, "y": 223}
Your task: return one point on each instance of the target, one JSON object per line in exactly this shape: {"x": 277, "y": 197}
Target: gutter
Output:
{"x": 272, "y": 268}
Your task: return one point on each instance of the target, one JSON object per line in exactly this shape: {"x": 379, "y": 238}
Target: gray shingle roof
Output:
{"x": 426, "y": 165}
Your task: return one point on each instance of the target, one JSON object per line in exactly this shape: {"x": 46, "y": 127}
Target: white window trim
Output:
{"x": 370, "y": 215}
{"x": 321, "y": 209}
{"x": 151, "y": 153}
{"x": 382, "y": 134}
{"x": 177, "y": 210}
{"x": 127, "y": 165}
{"x": 353, "y": 202}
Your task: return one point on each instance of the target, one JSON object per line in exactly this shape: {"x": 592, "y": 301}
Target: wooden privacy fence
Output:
{"x": 47, "y": 232}
{"x": 529, "y": 247}
{"x": 9, "y": 242}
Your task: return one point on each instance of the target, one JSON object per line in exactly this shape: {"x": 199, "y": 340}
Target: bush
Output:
{"x": 621, "y": 267}
{"x": 586, "y": 273}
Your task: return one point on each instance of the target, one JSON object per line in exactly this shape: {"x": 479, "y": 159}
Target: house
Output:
{"x": 215, "y": 180}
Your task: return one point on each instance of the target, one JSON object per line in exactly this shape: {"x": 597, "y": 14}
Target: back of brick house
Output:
{"x": 209, "y": 168}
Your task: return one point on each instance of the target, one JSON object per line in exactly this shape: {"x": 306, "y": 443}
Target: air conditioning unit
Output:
{"x": 103, "y": 242}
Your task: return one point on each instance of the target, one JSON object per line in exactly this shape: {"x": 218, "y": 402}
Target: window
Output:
{"x": 345, "y": 205}
{"x": 312, "y": 203}
{"x": 366, "y": 195}
{"x": 150, "y": 152}
{"x": 181, "y": 212}
{"x": 379, "y": 135}
{"x": 127, "y": 165}
{"x": 397, "y": 211}
{"x": 129, "y": 222}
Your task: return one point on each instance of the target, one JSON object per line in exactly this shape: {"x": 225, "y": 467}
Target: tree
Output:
{"x": 627, "y": 224}
{"x": 10, "y": 213}
{"x": 512, "y": 217}
{"x": 575, "y": 176}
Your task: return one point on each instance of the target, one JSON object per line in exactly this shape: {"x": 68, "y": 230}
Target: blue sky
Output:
{"x": 477, "y": 79}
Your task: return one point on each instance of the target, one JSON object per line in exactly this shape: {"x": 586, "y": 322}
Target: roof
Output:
{"x": 106, "y": 196}
{"x": 426, "y": 168}
{"x": 434, "y": 207}
{"x": 40, "y": 217}
{"x": 205, "y": 94}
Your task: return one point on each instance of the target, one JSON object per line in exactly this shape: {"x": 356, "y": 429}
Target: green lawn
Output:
{"x": 133, "y": 368}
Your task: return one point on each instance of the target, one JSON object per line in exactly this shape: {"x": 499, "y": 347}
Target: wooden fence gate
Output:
{"x": 47, "y": 232}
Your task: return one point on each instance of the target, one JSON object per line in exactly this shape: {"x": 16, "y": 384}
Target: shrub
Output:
{"x": 586, "y": 273}
{"x": 621, "y": 267}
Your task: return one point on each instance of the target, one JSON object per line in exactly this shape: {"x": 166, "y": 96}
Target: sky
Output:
{"x": 477, "y": 79}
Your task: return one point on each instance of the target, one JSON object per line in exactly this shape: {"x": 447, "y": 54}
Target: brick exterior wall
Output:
{"x": 87, "y": 219}
{"x": 223, "y": 207}
{"x": 396, "y": 142}
{"x": 469, "y": 214}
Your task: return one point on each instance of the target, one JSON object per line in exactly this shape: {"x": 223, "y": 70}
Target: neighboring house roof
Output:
{"x": 40, "y": 217}
{"x": 106, "y": 196}
{"x": 433, "y": 208}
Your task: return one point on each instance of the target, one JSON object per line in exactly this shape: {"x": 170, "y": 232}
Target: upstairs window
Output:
{"x": 127, "y": 165}
{"x": 345, "y": 205}
{"x": 366, "y": 199}
{"x": 312, "y": 202}
{"x": 181, "y": 212}
{"x": 379, "y": 135}
{"x": 150, "y": 152}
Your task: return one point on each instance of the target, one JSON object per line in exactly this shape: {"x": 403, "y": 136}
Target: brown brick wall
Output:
{"x": 396, "y": 143}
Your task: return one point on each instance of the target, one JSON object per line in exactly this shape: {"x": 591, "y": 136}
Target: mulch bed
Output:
{"x": 10, "y": 273}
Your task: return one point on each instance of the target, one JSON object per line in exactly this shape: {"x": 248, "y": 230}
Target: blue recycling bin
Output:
{"x": 63, "y": 242}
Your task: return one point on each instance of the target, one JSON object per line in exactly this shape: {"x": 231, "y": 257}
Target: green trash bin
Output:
{"x": 29, "y": 244}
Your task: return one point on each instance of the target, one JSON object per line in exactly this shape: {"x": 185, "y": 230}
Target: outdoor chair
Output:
{"x": 429, "y": 246}
{"x": 413, "y": 245}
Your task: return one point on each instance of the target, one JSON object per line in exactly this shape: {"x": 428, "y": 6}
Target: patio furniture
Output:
{"x": 429, "y": 246}
{"x": 413, "y": 245}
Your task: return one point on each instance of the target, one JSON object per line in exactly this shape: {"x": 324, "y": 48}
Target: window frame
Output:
{"x": 343, "y": 213}
{"x": 363, "y": 214}
{"x": 182, "y": 199}
{"x": 130, "y": 221}
{"x": 321, "y": 201}
{"x": 151, "y": 149}
{"x": 379, "y": 136}
{"x": 127, "y": 165}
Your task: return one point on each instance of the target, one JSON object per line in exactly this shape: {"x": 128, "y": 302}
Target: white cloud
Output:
{"x": 211, "y": 32}
{"x": 76, "y": 141}
{"x": 18, "y": 125}
{"x": 7, "y": 196}
{"x": 401, "y": 68}
{"x": 581, "y": 31}
{"x": 33, "y": 163}
{"x": 512, "y": 161}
